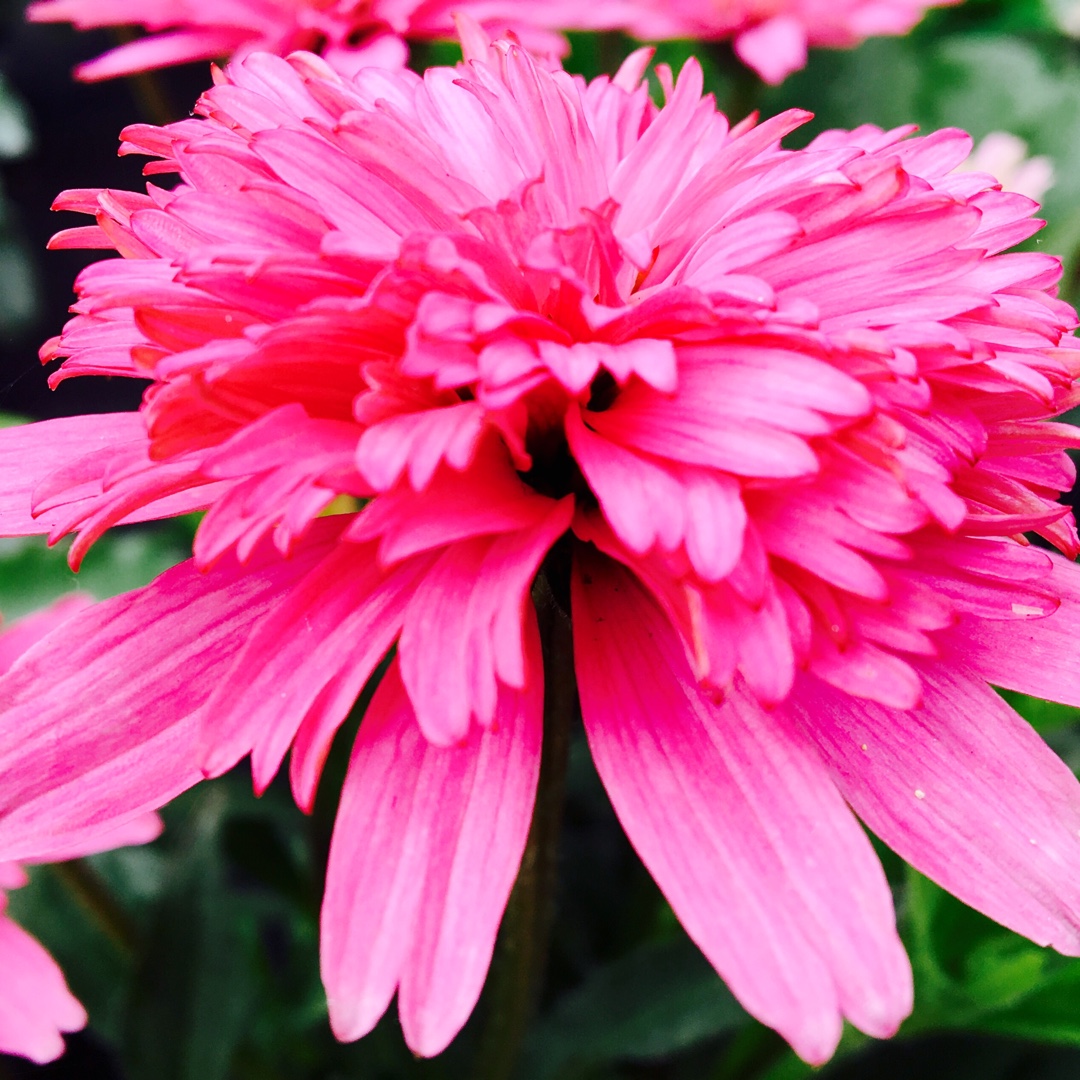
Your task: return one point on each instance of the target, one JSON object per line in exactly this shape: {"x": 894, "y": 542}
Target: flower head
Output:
{"x": 778, "y": 422}
{"x": 36, "y": 1007}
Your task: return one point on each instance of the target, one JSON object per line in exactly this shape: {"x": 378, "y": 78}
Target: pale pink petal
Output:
{"x": 775, "y": 48}
{"x": 160, "y": 50}
{"x": 35, "y": 1003}
{"x": 425, "y": 851}
{"x": 964, "y": 790}
{"x": 736, "y": 820}
{"x": 137, "y": 830}
{"x": 30, "y": 452}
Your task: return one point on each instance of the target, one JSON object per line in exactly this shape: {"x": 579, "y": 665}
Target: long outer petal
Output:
{"x": 740, "y": 825}
{"x": 97, "y": 721}
{"x": 963, "y": 789}
{"x": 426, "y": 848}
{"x": 1035, "y": 656}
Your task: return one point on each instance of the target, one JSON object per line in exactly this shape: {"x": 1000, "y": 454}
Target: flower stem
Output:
{"x": 147, "y": 88}
{"x": 520, "y": 962}
{"x": 84, "y": 884}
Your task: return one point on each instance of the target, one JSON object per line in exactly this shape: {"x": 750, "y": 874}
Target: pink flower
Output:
{"x": 350, "y": 33}
{"x": 778, "y": 422}
{"x": 772, "y": 36}
{"x": 36, "y": 1006}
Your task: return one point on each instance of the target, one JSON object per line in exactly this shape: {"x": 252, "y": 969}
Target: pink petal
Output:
{"x": 740, "y": 825}
{"x": 463, "y": 629}
{"x": 161, "y": 50}
{"x": 419, "y": 442}
{"x": 964, "y": 790}
{"x": 339, "y": 620}
{"x": 775, "y": 48}
{"x": 30, "y": 452}
{"x": 98, "y": 720}
{"x": 35, "y": 1003}
{"x": 425, "y": 851}
{"x": 17, "y": 638}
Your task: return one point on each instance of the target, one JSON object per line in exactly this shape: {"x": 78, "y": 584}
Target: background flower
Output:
{"x": 350, "y": 33}
{"x": 771, "y": 36}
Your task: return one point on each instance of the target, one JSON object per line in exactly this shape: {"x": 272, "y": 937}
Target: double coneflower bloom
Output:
{"x": 773, "y": 427}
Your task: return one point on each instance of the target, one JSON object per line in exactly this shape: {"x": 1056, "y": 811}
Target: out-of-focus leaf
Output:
{"x": 16, "y": 135}
{"x": 662, "y": 998}
{"x": 32, "y": 574}
{"x": 974, "y": 975}
{"x": 60, "y": 912}
{"x": 18, "y": 280}
{"x": 949, "y": 1056}
{"x": 1044, "y": 716}
{"x": 194, "y": 988}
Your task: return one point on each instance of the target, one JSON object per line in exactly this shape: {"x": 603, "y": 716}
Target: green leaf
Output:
{"x": 662, "y": 998}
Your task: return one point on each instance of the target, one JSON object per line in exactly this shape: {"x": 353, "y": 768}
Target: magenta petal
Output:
{"x": 161, "y": 50}
{"x": 964, "y": 790}
{"x": 97, "y": 721}
{"x": 740, "y": 825}
{"x": 426, "y": 848}
{"x": 35, "y": 1003}
{"x": 462, "y": 636}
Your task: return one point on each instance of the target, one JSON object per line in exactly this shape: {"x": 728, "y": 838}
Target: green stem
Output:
{"x": 743, "y": 94}
{"x": 518, "y": 972}
{"x": 84, "y": 884}
{"x": 147, "y": 88}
